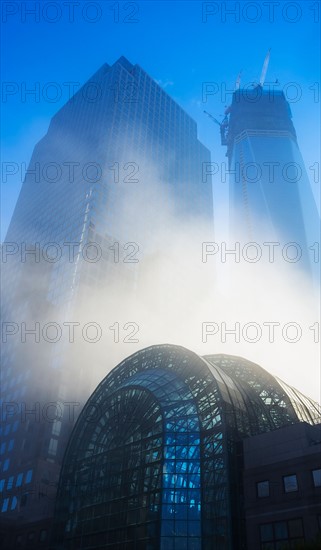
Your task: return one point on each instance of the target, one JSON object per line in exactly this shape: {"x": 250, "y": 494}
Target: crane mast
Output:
{"x": 265, "y": 68}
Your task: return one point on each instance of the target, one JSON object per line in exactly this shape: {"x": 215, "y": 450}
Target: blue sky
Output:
{"x": 175, "y": 42}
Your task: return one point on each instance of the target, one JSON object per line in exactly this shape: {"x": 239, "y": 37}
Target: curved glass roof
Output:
{"x": 153, "y": 459}
{"x": 271, "y": 390}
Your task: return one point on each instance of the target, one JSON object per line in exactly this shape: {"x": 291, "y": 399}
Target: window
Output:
{"x": 56, "y": 428}
{"x": 290, "y": 483}
{"x": 281, "y": 534}
{"x": 14, "y": 503}
{"x": 28, "y": 476}
{"x": 5, "y": 505}
{"x": 280, "y": 530}
{"x": 10, "y": 482}
{"x": 316, "y": 474}
{"x": 266, "y": 532}
{"x": 2, "y": 484}
{"x": 263, "y": 489}
{"x": 19, "y": 480}
{"x": 43, "y": 535}
{"x": 6, "y": 465}
{"x": 53, "y": 446}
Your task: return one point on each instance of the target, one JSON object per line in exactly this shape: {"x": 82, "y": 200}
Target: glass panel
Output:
{"x": 263, "y": 489}
{"x": 194, "y": 528}
{"x": 290, "y": 483}
{"x": 316, "y": 477}
{"x": 19, "y": 480}
{"x": 28, "y": 476}
{"x": 168, "y": 543}
{"x": 266, "y": 532}
{"x": 43, "y": 535}
{"x": 167, "y": 528}
{"x": 280, "y": 530}
{"x": 10, "y": 482}
{"x": 5, "y": 505}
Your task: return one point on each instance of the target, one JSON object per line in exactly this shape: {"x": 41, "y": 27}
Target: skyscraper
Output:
{"x": 73, "y": 235}
{"x": 155, "y": 459}
{"x": 270, "y": 194}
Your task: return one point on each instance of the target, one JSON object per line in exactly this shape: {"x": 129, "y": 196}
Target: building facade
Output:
{"x": 155, "y": 460}
{"x": 282, "y": 487}
{"x": 121, "y": 134}
{"x": 271, "y": 198}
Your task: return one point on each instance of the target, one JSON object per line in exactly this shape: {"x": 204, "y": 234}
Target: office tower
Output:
{"x": 72, "y": 249}
{"x": 155, "y": 459}
{"x": 270, "y": 194}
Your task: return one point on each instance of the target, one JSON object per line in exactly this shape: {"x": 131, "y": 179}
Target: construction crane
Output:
{"x": 265, "y": 68}
{"x": 213, "y": 118}
{"x": 223, "y": 127}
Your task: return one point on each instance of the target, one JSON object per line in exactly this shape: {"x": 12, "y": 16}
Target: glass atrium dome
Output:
{"x": 155, "y": 459}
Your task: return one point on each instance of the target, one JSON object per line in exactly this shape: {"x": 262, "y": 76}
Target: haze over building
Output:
{"x": 120, "y": 134}
{"x": 117, "y": 158}
{"x": 270, "y": 195}
{"x": 270, "y": 190}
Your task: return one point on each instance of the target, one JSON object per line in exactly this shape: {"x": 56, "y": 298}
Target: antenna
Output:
{"x": 265, "y": 67}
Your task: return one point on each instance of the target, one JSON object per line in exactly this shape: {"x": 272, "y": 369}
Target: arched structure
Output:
{"x": 154, "y": 461}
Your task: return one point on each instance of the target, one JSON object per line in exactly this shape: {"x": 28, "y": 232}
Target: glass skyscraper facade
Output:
{"x": 271, "y": 198}
{"x": 120, "y": 130}
{"x": 155, "y": 460}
